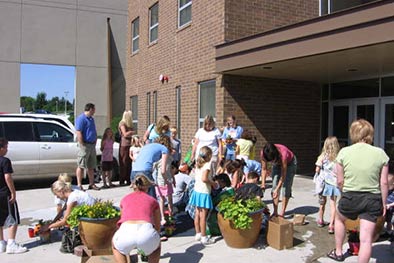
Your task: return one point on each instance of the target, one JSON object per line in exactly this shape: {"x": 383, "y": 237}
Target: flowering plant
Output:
{"x": 169, "y": 226}
{"x": 41, "y": 223}
{"x": 99, "y": 210}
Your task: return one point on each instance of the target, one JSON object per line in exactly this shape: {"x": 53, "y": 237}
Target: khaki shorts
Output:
{"x": 87, "y": 158}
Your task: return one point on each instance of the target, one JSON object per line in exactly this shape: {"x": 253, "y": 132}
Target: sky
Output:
{"x": 53, "y": 80}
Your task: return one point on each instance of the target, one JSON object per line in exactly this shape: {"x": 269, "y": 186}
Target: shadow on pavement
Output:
{"x": 191, "y": 255}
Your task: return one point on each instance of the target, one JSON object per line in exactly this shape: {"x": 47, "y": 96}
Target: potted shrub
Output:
{"x": 240, "y": 220}
{"x": 96, "y": 223}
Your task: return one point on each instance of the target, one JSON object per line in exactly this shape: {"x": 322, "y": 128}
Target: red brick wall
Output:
{"x": 186, "y": 55}
{"x": 280, "y": 111}
{"x": 248, "y": 17}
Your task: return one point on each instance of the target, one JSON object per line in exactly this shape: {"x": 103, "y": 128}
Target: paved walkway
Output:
{"x": 311, "y": 243}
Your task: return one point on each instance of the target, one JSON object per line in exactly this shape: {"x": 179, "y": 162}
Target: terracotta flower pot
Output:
{"x": 97, "y": 233}
{"x": 240, "y": 238}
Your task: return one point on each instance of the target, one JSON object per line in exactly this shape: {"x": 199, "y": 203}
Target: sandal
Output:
{"x": 331, "y": 230}
{"x": 333, "y": 255}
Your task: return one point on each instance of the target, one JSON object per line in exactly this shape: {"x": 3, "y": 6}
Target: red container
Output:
{"x": 31, "y": 232}
{"x": 354, "y": 247}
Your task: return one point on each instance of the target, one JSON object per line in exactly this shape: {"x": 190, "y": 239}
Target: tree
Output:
{"x": 41, "y": 100}
{"x": 27, "y": 103}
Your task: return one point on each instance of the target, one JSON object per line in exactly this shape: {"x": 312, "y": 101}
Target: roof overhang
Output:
{"x": 355, "y": 43}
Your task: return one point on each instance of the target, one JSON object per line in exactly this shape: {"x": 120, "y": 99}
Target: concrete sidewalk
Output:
{"x": 311, "y": 243}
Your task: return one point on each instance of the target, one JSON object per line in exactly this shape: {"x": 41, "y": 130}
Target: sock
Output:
{"x": 10, "y": 241}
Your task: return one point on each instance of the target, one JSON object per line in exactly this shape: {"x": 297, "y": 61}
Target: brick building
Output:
{"x": 291, "y": 71}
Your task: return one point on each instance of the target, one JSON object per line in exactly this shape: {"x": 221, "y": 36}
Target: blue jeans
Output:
{"x": 148, "y": 174}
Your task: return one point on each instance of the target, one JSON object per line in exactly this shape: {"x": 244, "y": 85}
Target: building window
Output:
{"x": 135, "y": 28}
{"x": 134, "y": 111}
{"x": 155, "y": 106}
{"x": 207, "y": 100}
{"x": 148, "y": 108}
{"x": 331, "y": 6}
{"x": 178, "y": 110}
{"x": 184, "y": 12}
{"x": 153, "y": 23}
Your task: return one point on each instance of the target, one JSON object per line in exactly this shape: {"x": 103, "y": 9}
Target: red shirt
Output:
{"x": 138, "y": 206}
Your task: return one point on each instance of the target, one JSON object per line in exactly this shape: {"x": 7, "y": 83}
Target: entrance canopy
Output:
{"x": 352, "y": 44}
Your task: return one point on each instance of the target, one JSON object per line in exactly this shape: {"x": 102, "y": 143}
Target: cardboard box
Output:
{"x": 299, "y": 219}
{"x": 280, "y": 233}
{"x": 101, "y": 256}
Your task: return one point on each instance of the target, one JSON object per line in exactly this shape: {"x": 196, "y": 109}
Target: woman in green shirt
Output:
{"x": 362, "y": 176}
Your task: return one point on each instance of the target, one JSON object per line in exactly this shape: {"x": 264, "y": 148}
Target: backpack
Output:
{"x": 70, "y": 240}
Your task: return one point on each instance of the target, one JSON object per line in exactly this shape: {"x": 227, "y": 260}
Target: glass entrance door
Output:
{"x": 387, "y": 132}
{"x": 342, "y": 113}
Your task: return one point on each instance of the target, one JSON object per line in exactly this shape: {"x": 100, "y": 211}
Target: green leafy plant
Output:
{"x": 239, "y": 210}
{"x": 99, "y": 210}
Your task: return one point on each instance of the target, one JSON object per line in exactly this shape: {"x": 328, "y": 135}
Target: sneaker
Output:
{"x": 3, "y": 245}
{"x": 15, "y": 248}
{"x": 197, "y": 237}
{"x": 207, "y": 241}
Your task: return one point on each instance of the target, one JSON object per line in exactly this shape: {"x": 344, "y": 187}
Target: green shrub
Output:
{"x": 238, "y": 210}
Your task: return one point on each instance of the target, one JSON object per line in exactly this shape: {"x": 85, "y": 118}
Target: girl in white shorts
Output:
{"x": 131, "y": 235}
{"x": 139, "y": 224}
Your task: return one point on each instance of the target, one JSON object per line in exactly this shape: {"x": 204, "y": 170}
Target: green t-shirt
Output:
{"x": 362, "y": 164}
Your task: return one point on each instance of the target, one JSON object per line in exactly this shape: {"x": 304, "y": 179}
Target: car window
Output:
{"x": 18, "y": 131}
{"x": 58, "y": 120}
{"x": 49, "y": 132}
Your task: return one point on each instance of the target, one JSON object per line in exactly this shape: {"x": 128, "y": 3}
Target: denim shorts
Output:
{"x": 288, "y": 183}
{"x": 364, "y": 205}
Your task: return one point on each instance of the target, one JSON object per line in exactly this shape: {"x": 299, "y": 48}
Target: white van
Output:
{"x": 43, "y": 146}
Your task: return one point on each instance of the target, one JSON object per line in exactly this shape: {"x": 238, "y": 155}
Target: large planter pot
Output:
{"x": 240, "y": 238}
{"x": 355, "y": 224}
{"x": 96, "y": 233}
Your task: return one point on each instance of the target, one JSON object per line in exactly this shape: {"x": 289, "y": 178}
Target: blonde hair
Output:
{"x": 361, "y": 131}
{"x": 330, "y": 148}
{"x": 208, "y": 122}
{"x": 65, "y": 178}
{"x": 127, "y": 119}
{"x": 163, "y": 122}
{"x": 61, "y": 186}
{"x": 141, "y": 183}
{"x": 164, "y": 140}
{"x": 204, "y": 156}
{"x": 135, "y": 141}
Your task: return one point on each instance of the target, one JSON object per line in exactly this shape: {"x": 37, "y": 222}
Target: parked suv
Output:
{"x": 41, "y": 147}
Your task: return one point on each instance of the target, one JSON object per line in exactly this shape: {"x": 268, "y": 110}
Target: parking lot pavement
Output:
{"x": 311, "y": 243}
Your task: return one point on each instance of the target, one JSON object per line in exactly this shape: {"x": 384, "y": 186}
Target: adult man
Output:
{"x": 87, "y": 137}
